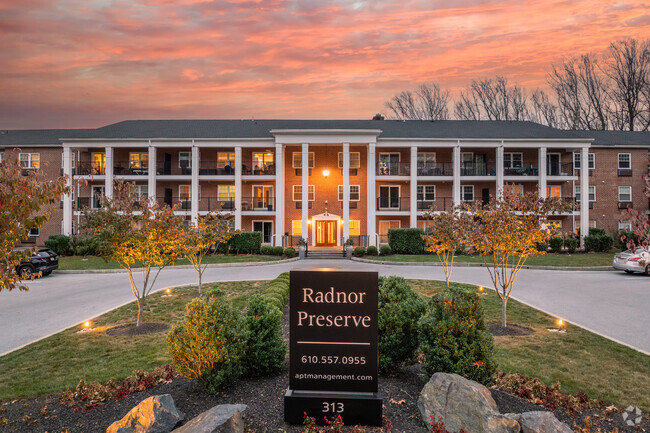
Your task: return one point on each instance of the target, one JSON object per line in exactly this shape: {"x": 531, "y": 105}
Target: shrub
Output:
{"x": 593, "y": 231}
{"x": 385, "y": 250}
{"x": 571, "y": 244}
{"x": 454, "y": 338}
{"x": 400, "y": 309}
{"x": 246, "y": 243}
{"x": 85, "y": 245}
{"x": 605, "y": 243}
{"x": 290, "y": 252}
{"x": 208, "y": 344}
{"x": 556, "y": 244}
{"x": 406, "y": 241}
{"x": 266, "y": 250}
{"x": 599, "y": 243}
{"x": 278, "y": 291}
{"x": 278, "y": 251}
{"x": 623, "y": 238}
{"x": 372, "y": 250}
{"x": 265, "y": 348}
{"x": 60, "y": 244}
{"x": 359, "y": 251}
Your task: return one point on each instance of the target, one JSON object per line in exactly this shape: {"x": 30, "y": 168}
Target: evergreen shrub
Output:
{"x": 359, "y": 251}
{"x": 290, "y": 252}
{"x": 571, "y": 244}
{"x": 278, "y": 251}
{"x": 265, "y": 348}
{"x": 371, "y": 250}
{"x": 60, "y": 244}
{"x": 385, "y": 250}
{"x": 406, "y": 241}
{"x": 556, "y": 244}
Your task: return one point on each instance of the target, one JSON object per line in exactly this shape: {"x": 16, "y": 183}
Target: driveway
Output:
{"x": 613, "y": 304}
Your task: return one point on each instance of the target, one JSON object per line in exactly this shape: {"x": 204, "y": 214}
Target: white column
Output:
{"x": 151, "y": 185}
{"x": 584, "y": 194}
{"x": 371, "y": 219}
{"x": 67, "y": 198}
{"x": 194, "y": 210}
{"x": 542, "y": 172}
{"x": 346, "y": 191}
{"x": 305, "y": 191}
{"x": 414, "y": 187}
{"x": 108, "y": 172}
{"x": 456, "y": 183}
{"x": 238, "y": 187}
{"x": 279, "y": 194}
{"x": 499, "y": 170}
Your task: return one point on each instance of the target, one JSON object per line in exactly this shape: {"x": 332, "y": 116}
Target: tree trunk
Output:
{"x": 200, "y": 275}
{"x": 504, "y": 304}
{"x": 139, "y": 322}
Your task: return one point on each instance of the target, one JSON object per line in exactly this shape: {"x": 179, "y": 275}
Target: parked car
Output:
{"x": 42, "y": 262}
{"x": 637, "y": 260}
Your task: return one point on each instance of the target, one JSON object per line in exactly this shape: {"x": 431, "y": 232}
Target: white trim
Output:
{"x": 340, "y": 192}
{"x": 264, "y": 221}
{"x": 189, "y": 159}
{"x": 293, "y": 195}
{"x": 140, "y": 159}
{"x": 511, "y": 159}
{"x": 253, "y": 196}
{"x": 629, "y": 160}
{"x": 462, "y": 193}
{"x": 30, "y": 160}
{"x": 619, "y": 193}
{"x": 189, "y": 197}
{"x": 330, "y": 217}
{"x": 424, "y": 198}
{"x": 399, "y": 196}
{"x": 310, "y": 154}
{"x": 340, "y": 160}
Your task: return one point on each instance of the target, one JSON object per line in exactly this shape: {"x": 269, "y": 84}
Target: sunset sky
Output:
{"x": 88, "y": 63}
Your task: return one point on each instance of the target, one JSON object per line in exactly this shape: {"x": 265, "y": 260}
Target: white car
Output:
{"x": 637, "y": 260}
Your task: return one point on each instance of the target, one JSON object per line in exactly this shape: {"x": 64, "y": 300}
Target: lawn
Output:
{"x": 78, "y": 263}
{"x": 579, "y": 360}
{"x": 560, "y": 260}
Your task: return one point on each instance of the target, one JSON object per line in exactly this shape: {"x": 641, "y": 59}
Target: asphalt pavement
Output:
{"x": 613, "y": 304}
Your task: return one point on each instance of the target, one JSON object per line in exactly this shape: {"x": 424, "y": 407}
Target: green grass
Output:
{"x": 60, "y": 361}
{"x": 579, "y": 360}
{"x": 568, "y": 260}
{"x": 78, "y": 263}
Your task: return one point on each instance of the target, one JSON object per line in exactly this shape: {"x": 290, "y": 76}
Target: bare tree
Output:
{"x": 429, "y": 102}
{"x": 492, "y": 99}
{"x": 629, "y": 70}
{"x": 543, "y": 111}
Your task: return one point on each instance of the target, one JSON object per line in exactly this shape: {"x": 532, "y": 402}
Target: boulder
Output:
{"x": 502, "y": 424}
{"x": 224, "y": 418}
{"x": 542, "y": 422}
{"x": 157, "y": 414}
{"x": 460, "y": 402}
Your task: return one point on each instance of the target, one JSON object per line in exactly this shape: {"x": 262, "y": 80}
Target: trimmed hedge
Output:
{"x": 60, "y": 244}
{"x": 406, "y": 241}
{"x": 598, "y": 243}
{"x": 242, "y": 243}
{"x": 372, "y": 250}
{"x": 571, "y": 244}
{"x": 278, "y": 291}
{"x": 290, "y": 252}
{"x": 266, "y": 250}
{"x": 385, "y": 250}
{"x": 278, "y": 251}
{"x": 556, "y": 244}
{"x": 359, "y": 251}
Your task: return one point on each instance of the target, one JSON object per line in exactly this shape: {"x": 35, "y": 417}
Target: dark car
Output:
{"x": 42, "y": 262}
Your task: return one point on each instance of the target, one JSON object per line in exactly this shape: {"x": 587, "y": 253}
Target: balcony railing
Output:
{"x": 565, "y": 169}
{"x": 393, "y": 203}
{"x": 520, "y": 171}
{"x": 357, "y": 240}
{"x": 440, "y": 204}
{"x": 167, "y": 168}
{"x": 249, "y": 168}
{"x": 393, "y": 169}
{"x": 124, "y": 168}
{"x": 88, "y": 168}
{"x": 477, "y": 169}
{"x": 258, "y": 203}
{"x": 436, "y": 169}
{"x": 216, "y": 168}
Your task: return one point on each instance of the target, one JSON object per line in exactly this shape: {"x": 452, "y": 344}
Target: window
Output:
{"x": 624, "y": 225}
{"x": 389, "y": 164}
{"x": 512, "y": 159}
{"x": 225, "y": 192}
{"x": 576, "y": 161}
{"x": 185, "y": 192}
{"x": 467, "y": 157}
{"x": 142, "y": 190}
{"x": 592, "y": 193}
{"x": 625, "y": 193}
{"x": 426, "y": 192}
{"x": 389, "y": 197}
{"x": 225, "y": 159}
{"x": 263, "y": 197}
{"x": 99, "y": 163}
{"x": 354, "y": 193}
{"x": 185, "y": 159}
{"x": 34, "y": 232}
{"x": 262, "y": 160}
{"x": 354, "y": 227}
{"x": 554, "y": 191}
{"x": 384, "y": 226}
{"x": 296, "y": 227}
{"x": 424, "y": 224}
{"x": 515, "y": 189}
{"x": 266, "y": 228}
{"x": 624, "y": 161}
{"x": 138, "y": 160}
{"x": 592, "y": 225}
{"x": 426, "y": 158}
{"x": 297, "y": 193}
{"x": 97, "y": 196}
{"x": 467, "y": 193}
{"x": 2, "y": 157}
{"x": 355, "y": 160}
{"x": 297, "y": 159}
{"x": 30, "y": 160}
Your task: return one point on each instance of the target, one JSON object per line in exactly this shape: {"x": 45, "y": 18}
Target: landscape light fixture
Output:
{"x": 561, "y": 324}
{"x": 168, "y": 291}
{"x": 87, "y": 324}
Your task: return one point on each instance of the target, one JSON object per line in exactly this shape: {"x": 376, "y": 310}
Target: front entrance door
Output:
{"x": 326, "y": 233}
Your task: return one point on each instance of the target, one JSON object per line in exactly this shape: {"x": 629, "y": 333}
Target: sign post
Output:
{"x": 333, "y": 347}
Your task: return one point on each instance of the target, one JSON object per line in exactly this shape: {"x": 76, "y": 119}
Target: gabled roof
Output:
{"x": 615, "y": 138}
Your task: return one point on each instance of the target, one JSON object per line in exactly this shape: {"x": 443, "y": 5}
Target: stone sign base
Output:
{"x": 356, "y": 408}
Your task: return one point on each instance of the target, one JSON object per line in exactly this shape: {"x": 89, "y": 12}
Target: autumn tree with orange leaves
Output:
{"x": 135, "y": 230}
{"x": 444, "y": 235}
{"x": 506, "y": 231}
{"x": 26, "y": 202}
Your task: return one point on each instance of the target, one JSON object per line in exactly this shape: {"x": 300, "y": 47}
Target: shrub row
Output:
{"x": 215, "y": 343}
{"x": 361, "y": 251}
{"x": 79, "y": 245}
{"x": 267, "y": 250}
{"x": 406, "y": 241}
{"x": 242, "y": 243}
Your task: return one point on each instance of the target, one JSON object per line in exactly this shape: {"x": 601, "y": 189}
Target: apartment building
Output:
{"x": 332, "y": 180}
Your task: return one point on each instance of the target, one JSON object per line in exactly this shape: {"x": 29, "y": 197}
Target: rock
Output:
{"x": 224, "y": 418}
{"x": 542, "y": 422}
{"x": 502, "y": 424}
{"x": 460, "y": 402}
{"x": 156, "y": 414}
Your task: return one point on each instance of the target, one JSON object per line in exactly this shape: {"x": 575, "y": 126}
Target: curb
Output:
{"x": 213, "y": 265}
{"x": 481, "y": 265}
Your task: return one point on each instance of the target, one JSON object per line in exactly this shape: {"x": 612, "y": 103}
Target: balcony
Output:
{"x": 258, "y": 203}
{"x": 393, "y": 169}
{"x": 393, "y": 203}
{"x": 166, "y": 168}
{"x": 439, "y": 204}
{"x": 123, "y": 168}
{"x": 254, "y": 168}
{"x": 477, "y": 169}
{"x": 565, "y": 169}
{"x": 88, "y": 168}
{"x": 520, "y": 171}
{"x": 211, "y": 168}
{"x": 436, "y": 169}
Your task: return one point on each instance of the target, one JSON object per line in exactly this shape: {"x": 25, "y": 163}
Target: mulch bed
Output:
{"x": 509, "y": 331}
{"x": 131, "y": 330}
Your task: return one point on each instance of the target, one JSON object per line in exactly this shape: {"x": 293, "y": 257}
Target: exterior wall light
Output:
{"x": 326, "y": 173}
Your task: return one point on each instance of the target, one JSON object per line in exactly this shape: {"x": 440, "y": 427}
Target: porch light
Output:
{"x": 326, "y": 173}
